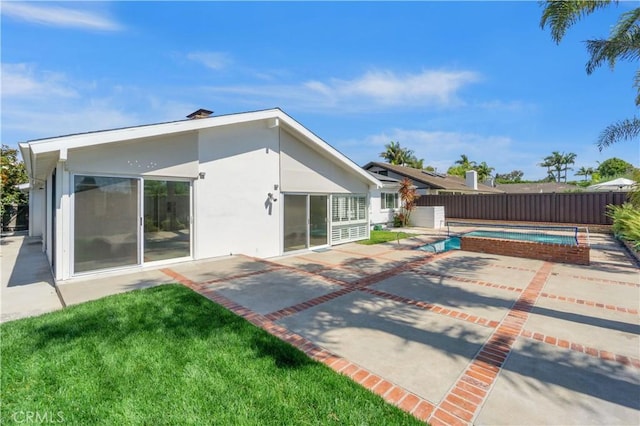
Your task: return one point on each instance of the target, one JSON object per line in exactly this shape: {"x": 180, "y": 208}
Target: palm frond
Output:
{"x": 627, "y": 129}
{"x": 622, "y": 44}
{"x": 560, "y": 15}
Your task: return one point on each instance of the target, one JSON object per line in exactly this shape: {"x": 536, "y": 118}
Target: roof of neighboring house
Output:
{"x": 433, "y": 179}
{"x": 385, "y": 180}
{"x": 536, "y": 187}
{"x": 53, "y": 149}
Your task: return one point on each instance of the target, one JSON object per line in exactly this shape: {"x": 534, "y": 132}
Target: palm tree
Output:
{"x": 395, "y": 154}
{"x": 567, "y": 159}
{"x": 556, "y": 163}
{"x": 484, "y": 171}
{"x": 465, "y": 163}
{"x": 415, "y": 162}
{"x": 623, "y": 44}
{"x": 585, "y": 171}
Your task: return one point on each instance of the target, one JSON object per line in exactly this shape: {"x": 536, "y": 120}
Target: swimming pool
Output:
{"x": 565, "y": 240}
{"x": 453, "y": 243}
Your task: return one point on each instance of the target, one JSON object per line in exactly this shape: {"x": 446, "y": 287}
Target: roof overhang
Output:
{"x": 42, "y": 155}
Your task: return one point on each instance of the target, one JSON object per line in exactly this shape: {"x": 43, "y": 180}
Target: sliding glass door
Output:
{"x": 166, "y": 219}
{"x": 318, "y": 220}
{"x": 305, "y": 221}
{"x": 121, "y": 222}
{"x": 295, "y": 222}
{"x": 105, "y": 222}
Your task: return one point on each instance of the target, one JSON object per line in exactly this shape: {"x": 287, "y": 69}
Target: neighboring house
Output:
{"x": 385, "y": 200}
{"x": 537, "y": 188}
{"x": 619, "y": 184}
{"x": 432, "y": 183}
{"x": 256, "y": 183}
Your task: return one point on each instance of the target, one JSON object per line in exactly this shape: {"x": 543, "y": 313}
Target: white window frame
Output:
{"x": 384, "y": 200}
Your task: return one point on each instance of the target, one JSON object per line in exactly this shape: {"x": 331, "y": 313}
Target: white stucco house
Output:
{"x": 256, "y": 183}
{"x": 385, "y": 201}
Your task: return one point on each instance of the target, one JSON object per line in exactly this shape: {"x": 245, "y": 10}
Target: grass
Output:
{"x": 378, "y": 237}
{"x": 167, "y": 355}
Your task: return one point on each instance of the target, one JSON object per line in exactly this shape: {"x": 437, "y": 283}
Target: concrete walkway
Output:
{"x": 26, "y": 280}
{"x": 454, "y": 338}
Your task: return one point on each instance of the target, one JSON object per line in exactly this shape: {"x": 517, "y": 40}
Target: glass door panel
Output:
{"x": 167, "y": 209}
{"x": 295, "y": 222}
{"x": 318, "y": 220}
{"x": 105, "y": 222}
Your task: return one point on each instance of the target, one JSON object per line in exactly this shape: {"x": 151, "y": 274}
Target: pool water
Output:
{"x": 520, "y": 236}
{"x": 453, "y": 243}
{"x": 441, "y": 246}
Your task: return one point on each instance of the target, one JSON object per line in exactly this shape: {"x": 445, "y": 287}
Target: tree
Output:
{"x": 408, "y": 195}
{"x": 465, "y": 163}
{"x": 567, "y": 159}
{"x": 416, "y": 163}
{"x": 585, "y": 171}
{"x": 554, "y": 165}
{"x": 461, "y": 166}
{"x": 623, "y": 44}
{"x": 13, "y": 173}
{"x": 614, "y": 167}
{"x": 395, "y": 154}
{"x": 484, "y": 171}
{"x": 513, "y": 176}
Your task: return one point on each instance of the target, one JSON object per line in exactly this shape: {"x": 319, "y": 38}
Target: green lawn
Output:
{"x": 378, "y": 237}
{"x": 167, "y": 355}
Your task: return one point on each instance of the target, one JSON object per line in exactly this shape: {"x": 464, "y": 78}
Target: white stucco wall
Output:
{"x": 378, "y": 215}
{"x": 37, "y": 213}
{"x": 304, "y": 170}
{"x": 173, "y": 155}
{"x": 232, "y": 215}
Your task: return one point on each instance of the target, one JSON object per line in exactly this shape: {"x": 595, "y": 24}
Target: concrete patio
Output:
{"x": 454, "y": 338}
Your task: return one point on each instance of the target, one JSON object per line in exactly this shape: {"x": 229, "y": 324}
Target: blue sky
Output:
{"x": 442, "y": 78}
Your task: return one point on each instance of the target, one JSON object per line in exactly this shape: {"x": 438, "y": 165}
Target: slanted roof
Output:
{"x": 619, "y": 184}
{"x": 386, "y": 181}
{"x": 536, "y": 187}
{"x": 41, "y": 155}
{"x": 201, "y": 113}
{"x": 432, "y": 179}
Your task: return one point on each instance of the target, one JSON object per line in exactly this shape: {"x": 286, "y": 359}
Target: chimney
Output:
{"x": 471, "y": 179}
{"x": 201, "y": 113}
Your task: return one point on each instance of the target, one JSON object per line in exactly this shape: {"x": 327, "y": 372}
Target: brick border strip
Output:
{"x": 390, "y": 392}
{"x": 578, "y": 347}
{"x": 462, "y": 402}
{"x": 348, "y": 288}
{"x": 433, "y": 308}
{"x": 589, "y": 303}
{"x": 600, "y": 280}
{"x": 469, "y": 281}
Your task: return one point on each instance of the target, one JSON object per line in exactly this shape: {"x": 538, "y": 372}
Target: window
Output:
{"x": 347, "y": 208}
{"x": 389, "y": 200}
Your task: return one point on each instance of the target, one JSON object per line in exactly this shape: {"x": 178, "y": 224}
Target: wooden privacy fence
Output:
{"x": 572, "y": 207}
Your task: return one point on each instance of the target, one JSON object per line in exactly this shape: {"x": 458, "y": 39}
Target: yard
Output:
{"x": 378, "y": 237}
{"x": 167, "y": 355}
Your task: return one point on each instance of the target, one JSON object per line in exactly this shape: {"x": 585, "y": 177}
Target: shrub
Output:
{"x": 398, "y": 220}
{"x": 626, "y": 223}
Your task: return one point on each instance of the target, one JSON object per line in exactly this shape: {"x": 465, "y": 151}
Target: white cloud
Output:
{"x": 214, "y": 60}
{"x": 374, "y": 90}
{"x": 58, "y": 16}
{"x": 24, "y": 80}
{"x": 389, "y": 88}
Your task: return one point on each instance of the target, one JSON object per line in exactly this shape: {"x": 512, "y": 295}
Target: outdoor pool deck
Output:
{"x": 454, "y": 338}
